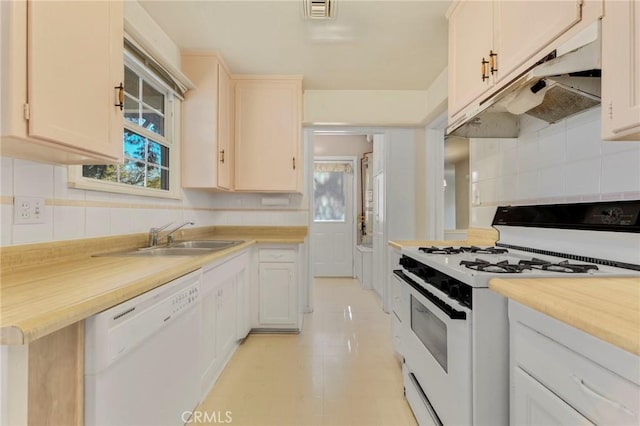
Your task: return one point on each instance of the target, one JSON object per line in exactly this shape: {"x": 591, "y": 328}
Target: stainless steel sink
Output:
{"x": 208, "y": 244}
{"x": 184, "y": 248}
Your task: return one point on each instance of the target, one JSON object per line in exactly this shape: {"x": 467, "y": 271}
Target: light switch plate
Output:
{"x": 28, "y": 210}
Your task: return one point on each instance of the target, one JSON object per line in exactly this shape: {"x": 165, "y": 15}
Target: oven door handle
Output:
{"x": 439, "y": 303}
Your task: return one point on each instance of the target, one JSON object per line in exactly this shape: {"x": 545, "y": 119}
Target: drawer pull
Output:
{"x": 592, "y": 393}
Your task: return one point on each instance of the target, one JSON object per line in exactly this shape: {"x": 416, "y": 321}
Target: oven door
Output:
{"x": 438, "y": 350}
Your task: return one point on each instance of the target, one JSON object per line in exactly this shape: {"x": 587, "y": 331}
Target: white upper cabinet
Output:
{"x": 492, "y": 42}
{"x": 268, "y": 124}
{"x": 470, "y": 41}
{"x": 62, "y": 69}
{"x": 207, "y": 123}
{"x": 621, "y": 70}
{"x": 523, "y": 28}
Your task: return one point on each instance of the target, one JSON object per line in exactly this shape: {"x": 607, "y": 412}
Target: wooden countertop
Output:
{"x": 607, "y": 308}
{"x": 41, "y": 293}
{"x": 475, "y": 236}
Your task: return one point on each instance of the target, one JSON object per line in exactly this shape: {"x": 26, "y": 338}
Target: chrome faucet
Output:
{"x": 154, "y": 232}
{"x": 170, "y": 238}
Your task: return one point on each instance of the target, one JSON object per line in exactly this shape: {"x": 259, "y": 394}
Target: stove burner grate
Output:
{"x": 563, "y": 266}
{"x": 484, "y": 250}
{"x": 503, "y": 267}
{"x": 440, "y": 250}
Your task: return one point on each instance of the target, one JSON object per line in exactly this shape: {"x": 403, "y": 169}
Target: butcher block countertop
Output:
{"x": 607, "y": 308}
{"x": 475, "y": 236}
{"x": 46, "y": 287}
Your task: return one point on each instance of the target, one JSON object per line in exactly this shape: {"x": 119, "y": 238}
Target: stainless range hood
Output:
{"x": 564, "y": 83}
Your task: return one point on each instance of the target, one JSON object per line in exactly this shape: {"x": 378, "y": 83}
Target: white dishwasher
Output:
{"x": 142, "y": 358}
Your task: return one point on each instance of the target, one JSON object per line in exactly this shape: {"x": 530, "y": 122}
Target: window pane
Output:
{"x": 131, "y": 82}
{"x": 158, "y": 154}
{"x": 132, "y": 173}
{"x": 134, "y": 145}
{"x": 329, "y": 196}
{"x": 154, "y": 177}
{"x": 153, "y": 122}
{"x": 103, "y": 172}
{"x": 152, "y": 97}
{"x": 131, "y": 110}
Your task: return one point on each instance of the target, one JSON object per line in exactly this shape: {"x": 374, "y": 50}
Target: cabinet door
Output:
{"x": 470, "y": 40}
{"x": 621, "y": 70}
{"x": 75, "y": 62}
{"x": 226, "y": 318}
{"x": 278, "y": 295}
{"x": 209, "y": 362}
{"x": 225, "y": 129}
{"x": 523, "y": 28}
{"x": 267, "y": 130}
{"x": 533, "y": 404}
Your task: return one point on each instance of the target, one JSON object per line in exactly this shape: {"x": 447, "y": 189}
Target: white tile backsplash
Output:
{"x": 583, "y": 136}
{"x": 582, "y": 177}
{"x": 6, "y": 177}
{"x": 68, "y": 223}
{"x": 97, "y": 222}
{"x": 552, "y": 146}
{"x": 32, "y": 179}
{"x": 563, "y": 162}
{"x": 621, "y": 172}
{"x": 551, "y": 181}
{"x": 6, "y": 224}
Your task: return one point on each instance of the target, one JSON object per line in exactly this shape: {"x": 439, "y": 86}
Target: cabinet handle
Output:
{"x": 222, "y": 156}
{"x": 483, "y": 69}
{"x": 120, "y": 96}
{"x": 493, "y": 62}
{"x": 587, "y": 390}
{"x": 294, "y": 163}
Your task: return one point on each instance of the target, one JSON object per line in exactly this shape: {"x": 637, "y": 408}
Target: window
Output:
{"x": 151, "y": 155}
{"x": 330, "y": 201}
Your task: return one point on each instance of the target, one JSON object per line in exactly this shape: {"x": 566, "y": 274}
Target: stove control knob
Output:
{"x": 454, "y": 290}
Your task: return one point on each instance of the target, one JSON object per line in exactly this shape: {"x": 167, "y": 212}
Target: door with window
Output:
{"x": 333, "y": 218}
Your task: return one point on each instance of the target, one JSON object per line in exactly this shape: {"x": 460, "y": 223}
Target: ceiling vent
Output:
{"x": 319, "y": 9}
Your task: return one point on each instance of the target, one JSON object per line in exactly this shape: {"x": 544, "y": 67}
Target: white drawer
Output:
{"x": 277, "y": 255}
{"x": 597, "y": 393}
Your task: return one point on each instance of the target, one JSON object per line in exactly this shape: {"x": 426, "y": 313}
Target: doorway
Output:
{"x": 333, "y": 225}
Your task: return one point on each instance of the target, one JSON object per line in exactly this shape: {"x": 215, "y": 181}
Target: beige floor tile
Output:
{"x": 340, "y": 370}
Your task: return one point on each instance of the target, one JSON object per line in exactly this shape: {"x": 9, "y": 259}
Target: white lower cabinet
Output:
{"x": 562, "y": 375}
{"x": 278, "y": 293}
{"x": 275, "y": 291}
{"x": 534, "y": 404}
{"x": 225, "y": 314}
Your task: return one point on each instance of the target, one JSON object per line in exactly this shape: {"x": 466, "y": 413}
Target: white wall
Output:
{"x": 450, "y": 197}
{"x": 560, "y": 163}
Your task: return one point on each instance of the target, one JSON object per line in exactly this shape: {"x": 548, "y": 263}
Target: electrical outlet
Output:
{"x": 28, "y": 210}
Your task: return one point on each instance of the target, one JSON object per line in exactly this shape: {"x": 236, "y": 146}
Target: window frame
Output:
{"x": 171, "y": 139}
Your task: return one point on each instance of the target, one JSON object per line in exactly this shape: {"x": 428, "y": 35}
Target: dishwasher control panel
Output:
{"x": 184, "y": 299}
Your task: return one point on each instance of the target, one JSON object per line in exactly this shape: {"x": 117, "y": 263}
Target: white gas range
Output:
{"x": 455, "y": 332}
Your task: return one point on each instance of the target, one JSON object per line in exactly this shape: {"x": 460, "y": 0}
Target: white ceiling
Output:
{"x": 374, "y": 44}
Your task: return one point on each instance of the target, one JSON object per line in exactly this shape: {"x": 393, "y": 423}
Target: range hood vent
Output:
{"x": 564, "y": 83}
{"x": 319, "y": 9}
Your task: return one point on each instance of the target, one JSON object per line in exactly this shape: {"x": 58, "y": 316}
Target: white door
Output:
{"x": 333, "y": 222}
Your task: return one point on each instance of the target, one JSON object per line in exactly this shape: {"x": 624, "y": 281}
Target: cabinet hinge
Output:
{"x": 611, "y": 110}
{"x": 27, "y": 112}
